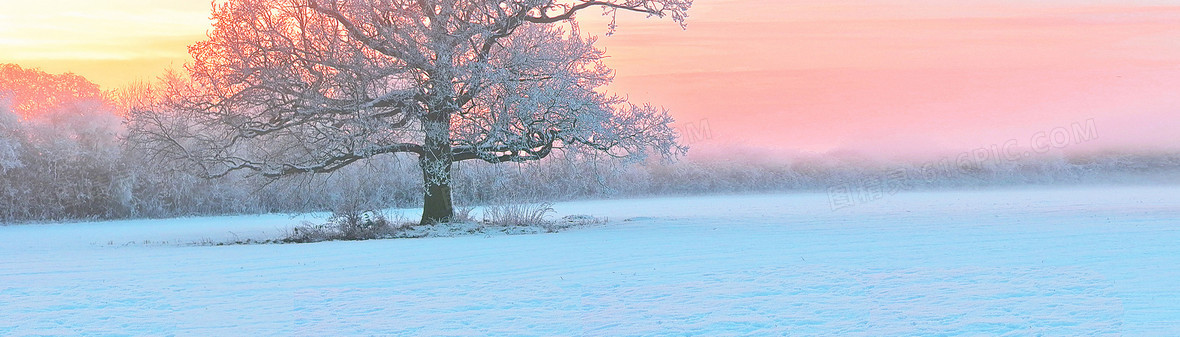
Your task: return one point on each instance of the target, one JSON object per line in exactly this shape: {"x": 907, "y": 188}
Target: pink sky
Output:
{"x": 880, "y": 78}
{"x": 913, "y": 77}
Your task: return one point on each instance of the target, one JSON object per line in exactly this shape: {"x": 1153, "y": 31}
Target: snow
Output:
{"x": 1053, "y": 261}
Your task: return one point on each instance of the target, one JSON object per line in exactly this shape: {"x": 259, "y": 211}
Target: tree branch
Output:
{"x": 569, "y": 13}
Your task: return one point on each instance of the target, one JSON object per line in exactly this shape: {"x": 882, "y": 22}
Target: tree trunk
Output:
{"x": 436, "y": 158}
{"x": 436, "y": 207}
{"x": 436, "y": 161}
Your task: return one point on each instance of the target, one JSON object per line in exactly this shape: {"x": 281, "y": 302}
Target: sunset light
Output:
{"x": 110, "y": 42}
{"x": 811, "y": 76}
{"x": 590, "y": 168}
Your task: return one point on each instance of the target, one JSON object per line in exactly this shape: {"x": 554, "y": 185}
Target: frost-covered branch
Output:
{"x": 286, "y": 87}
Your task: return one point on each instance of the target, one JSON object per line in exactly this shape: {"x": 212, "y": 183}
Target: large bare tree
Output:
{"x": 285, "y": 87}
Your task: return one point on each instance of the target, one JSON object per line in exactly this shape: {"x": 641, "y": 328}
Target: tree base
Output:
{"x": 437, "y": 207}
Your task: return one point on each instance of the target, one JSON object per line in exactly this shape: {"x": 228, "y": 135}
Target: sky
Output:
{"x": 877, "y": 79}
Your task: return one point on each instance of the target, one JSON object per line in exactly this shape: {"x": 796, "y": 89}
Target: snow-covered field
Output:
{"x": 1021, "y": 262}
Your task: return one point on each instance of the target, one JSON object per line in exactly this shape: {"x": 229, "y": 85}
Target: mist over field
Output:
{"x": 66, "y": 124}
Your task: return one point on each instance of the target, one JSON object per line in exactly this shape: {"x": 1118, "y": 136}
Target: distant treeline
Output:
{"x": 65, "y": 159}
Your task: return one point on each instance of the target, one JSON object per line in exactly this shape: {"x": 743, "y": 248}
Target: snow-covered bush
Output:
{"x": 518, "y": 214}
{"x": 60, "y": 159}
{"x": 347, "y": 224}
{"x": 11, "y": 135}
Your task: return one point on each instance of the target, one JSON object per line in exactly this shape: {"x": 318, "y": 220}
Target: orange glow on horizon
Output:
{"x": 110, "y": 42}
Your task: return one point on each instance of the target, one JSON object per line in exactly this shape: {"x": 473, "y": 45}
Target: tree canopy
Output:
{"x": 284, "y": 87}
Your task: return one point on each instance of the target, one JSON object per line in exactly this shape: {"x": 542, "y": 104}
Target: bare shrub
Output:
{"x": 309, "y": 232}
{"x": 346, "y": 224}
{"x": 517, "y": 214}
{"x": 463, "y": 214}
